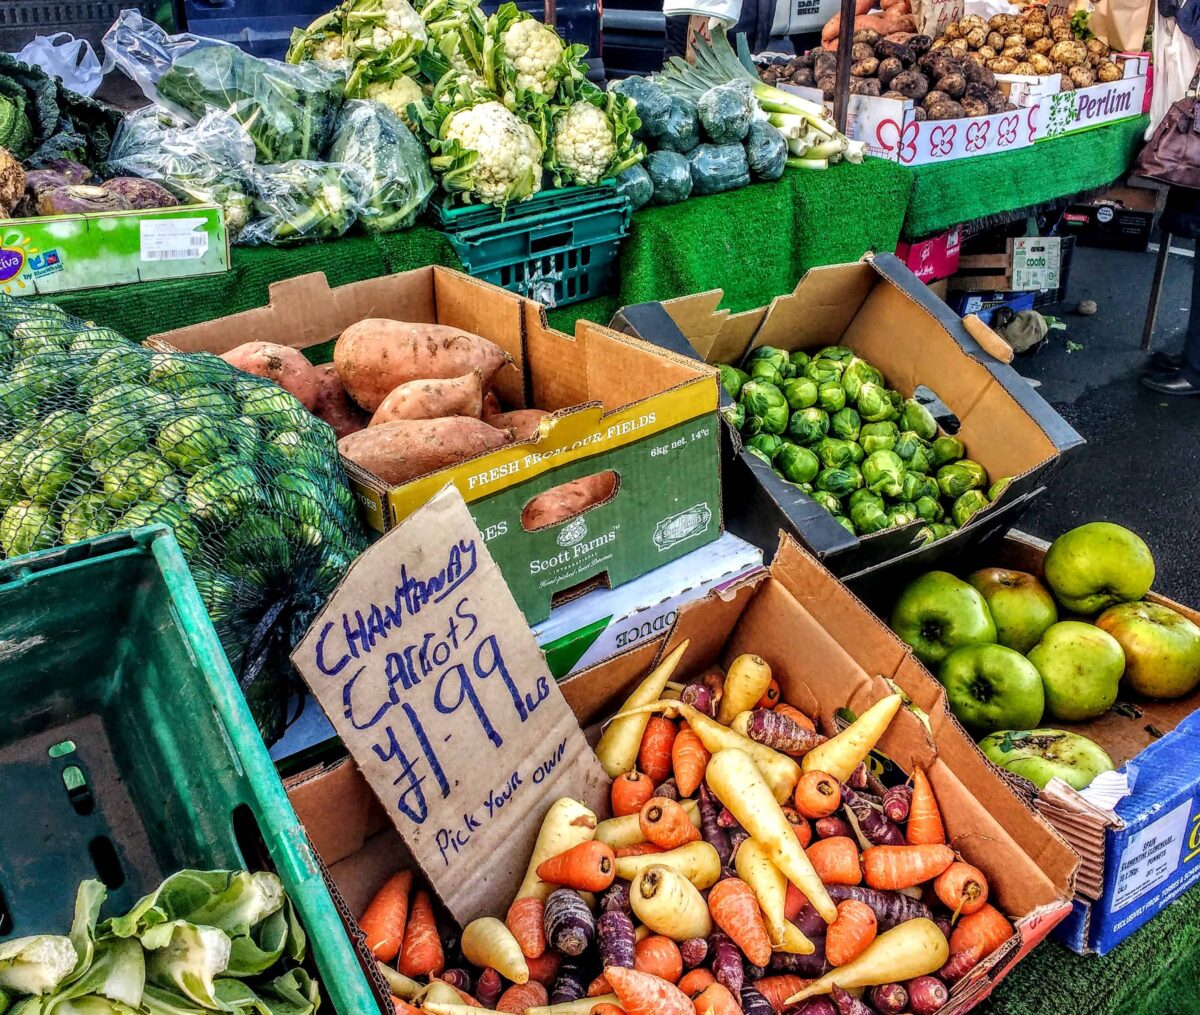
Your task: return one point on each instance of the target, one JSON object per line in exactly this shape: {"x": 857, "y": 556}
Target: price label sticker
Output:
{"x": 173, "y": 239}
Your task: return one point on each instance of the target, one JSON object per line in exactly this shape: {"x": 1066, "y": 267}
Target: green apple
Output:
{"x": 1081, "y": 667}
{"x": 938, "y": 613}
{"x": 1020, "y": 606}
{"x": 1043, "y": 754}
{"x": 991, "y": 687}
{"x": 1162, "y": 648}
{"x": 1097, "y": 566}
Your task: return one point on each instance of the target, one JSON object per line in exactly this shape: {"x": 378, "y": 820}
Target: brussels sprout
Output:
{"x": 884, "y": 473}
{"x": 122, "y": 365}
{"x": 873, "y": 403}
{"x": 868, "y": 517}
{"x": 808, "y": 425}
{"x": 929, "y": 508}
{"x": 95, "y": 340}
{"x": 839, "y": 481}
{"x": 944, "y": 450}
{"x": 919, "y": 461}
{"x": 255, "y": 540}
{"x": 751, "y": 425}
{"x": 174, "y": 372}
{"x": 831, "y": 397}
{"x": 901, "y": 514}
{"x": 846, "y": 424}
{"x": 735, "y": 415}
{"x": 806, "y": 488}
{"x": 272, "y": 406}
{"x": 800, "y": 392}
{"x": 45, "y": 474}
{"x": 957, "y": 478}
{"x": 768, "y": 354}
{"x": 208, "y": 400}
{"x": 914, "y": 416}
{"x": 301, "y": 498}
{"x": 926, "y": 535}
{"x": 897, "y": 401}
{"x": 221, "y": 492}
{"x": 998, "y": 488}
{"x": 243, "y": 435}
{"x": 828, "y": 501}
{"x": 732, "y": 379}
{"x": 26, "y": 527}
{"x": 765, "y": 370}
{"x": 837, "y": 353}
{"x": 797, "y": 464}
{"x": 878, "y": 437}
{"x": 845, "y": 523}
{"x": 191, "y": 442}
{"x": 798, "y": 360}
{"x": 18, "y": 403}
{"x": 85, "y": 517}
{"x": 768, "y": 443}
{"x": 775, "y": 420}
{"x": 824, "y": 371}
{"x": 35, "y": 337}
{"x": 300, "y": 451}
{"x": 966, "y": 505}
{"x": 134, "y": 478}
{"x": 907, "y": 443}
{"x": 759, "y": 455}
{"x": 857, "y": 373}
{"x": 913, "y": 487}
{"x": 11, "y": 460}
{"x": 865, "y": 496}
{"x": 833, "y": 452}
{"x": 63, "y": 427}
{"x": 759, "y": 396}
{"x": 857, "y": 454}
{"x": 110, "y": 437}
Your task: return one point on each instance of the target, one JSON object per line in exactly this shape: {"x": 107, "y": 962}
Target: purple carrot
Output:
{"x": 489, "y": 988}
{"x": 828, "y": 828}
{"x": 667, "y": 789}
{"x": 847, "y": 1003}
{"x": 863, "y": 778}
{"x": 725, "y": 818}
{"x": 896, "y": 802}
{"x": 812, "y": 1006}
{"x": 568, "y": 922}
{"x": 615, "y": 931}
{"x": 736, "y": 837}
{"x": 615, "y": 898}
{"x": 781, "y": 732}
{"x": 459, "y": 978}
{"x": 727, "y": 962}
{"x": 693, "y": 951}
{"x": 754, "y": 972}
{"x": 943, "y": 924}
{"x": 875, "y": 826}
{"x": 753, "y": 1003}
{"x": 890, "y": 908}
{"x": 710, "y": 826}
{"x": 809, "y": 966}
{"x": 571, "y": 983}
{"x": 699, "y": 697}
{"x": 888, "y": 998}
{"x": 926, "y": 995}
{"x": 810, "y": 923}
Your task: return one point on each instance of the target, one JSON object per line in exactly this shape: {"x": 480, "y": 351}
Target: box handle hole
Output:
{"x": 568, "y": 501}
{"x": 538, "y": 244}
{"x": 62, "y": 749}
{"x": 78, "y": 791}
{"x": 6, "y": 924}
{"x": 107, "y": 863}
{"x": 249, "y": 839}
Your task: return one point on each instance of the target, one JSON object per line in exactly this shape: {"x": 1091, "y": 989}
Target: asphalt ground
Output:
{"x": 1141, "y": 465}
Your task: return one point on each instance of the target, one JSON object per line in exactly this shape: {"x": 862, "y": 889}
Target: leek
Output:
{"x": 808, "y": 163}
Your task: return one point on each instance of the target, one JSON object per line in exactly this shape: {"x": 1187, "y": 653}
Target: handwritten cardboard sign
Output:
{"x": 433, "y": 680}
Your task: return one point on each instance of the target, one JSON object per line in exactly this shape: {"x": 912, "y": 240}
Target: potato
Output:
{"x": 888, "y": 69}
{"x": 946, "y": 110}
{"x": 1082, "y": 77}
{"x": 861, "y": 51}
{"x": 1043, "y": 46}
{"x": 400, "y": 451}
{"x": 865, "y": 86}
{"x": 867, "y": 36}
{"x": 865, "y": 68}
{"x": 920, "y": 44}
{"x": 1106, "y": 70}
{"x": 912, "y": 84}
{"x": 934, "y": 98}
{"x": 1034, "y": 31}
{"x": 434, "y": 398}
{"x": 1026, "y": 69}
{"x": 986, "y": 53}
{"x": 886, "y": 48}
{"x": 523, "y": 423}
{"x": 282, "y": 364}
{"x": 952, "y": 84}
{"x": 959, "y": 47}
{"x": 334, "y": 405}
{"x": 975, "y": 107}
{"x": 568, "y": 500}
{"x": 995, "y": 40}
{"x": 377, "y": 355}
{"x": 977, "y": 37}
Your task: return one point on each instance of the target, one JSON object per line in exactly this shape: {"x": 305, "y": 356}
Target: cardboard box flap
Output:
{"x": 819, "y": 310}
{"x": 336, "y": 807}
{"x": 719, "y": 336}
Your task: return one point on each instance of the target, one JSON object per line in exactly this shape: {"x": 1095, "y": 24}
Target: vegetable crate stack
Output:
{"x": 752, "y": 858}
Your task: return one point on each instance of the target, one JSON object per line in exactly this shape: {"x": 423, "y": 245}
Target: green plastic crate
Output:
{"x": 127, "y": 751}
{"x": 559, "y": 247}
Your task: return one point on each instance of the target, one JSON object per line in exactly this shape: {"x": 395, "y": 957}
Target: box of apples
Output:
{"x": 1084, "y": 685}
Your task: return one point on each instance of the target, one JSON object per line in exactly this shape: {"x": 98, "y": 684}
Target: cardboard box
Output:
{"x": 879, "y": 309}
{"x": 1068, "y": 112}
{"x": 935, "y": 258}
{"x": 619, "y": 405}
{"x": 606, "y": 622}
{"x": 1028, "y": 263}
{"x": 1121, "y": 218}
{"x": 63, "y": 253}
{"x": 847, "y": 660}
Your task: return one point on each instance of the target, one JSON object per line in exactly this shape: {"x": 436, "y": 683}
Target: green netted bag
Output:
{"x": 99, "y": 435}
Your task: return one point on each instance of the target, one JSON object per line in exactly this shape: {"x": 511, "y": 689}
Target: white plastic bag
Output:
{"x": 1175, "y": 57}
{"x": 71, "y": 60}
{"x": 724, "y": 12}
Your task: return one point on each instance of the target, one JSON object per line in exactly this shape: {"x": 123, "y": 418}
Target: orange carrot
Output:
{"x": 817, "y": 795}
{"x": 665, "y": 823}
{"x": 606, "y": 1008}
{"x": 654, "y": 756}
{"x": 836, "y": 860}
{"x": 637, "y": 849}
{"x": 629, "y": 792}
{"x": 383, "y": 922}
{"x": 689, "y": 758}
{"x": 526, "y": 922}
{"x": 545, "y": 967}
{"x": 520, "y": 996}
{"x": 924, "y": 819}
{"x": 796, "y": 715}
{"x": 659, "y": 955}
{"x": 401, "y": 1007}
{"x": 896, "y": 867}
{"x": 422, "y": 951}
{"x": 848, "y": 936}
{"x": 586, "y": 867}
{"x": 799, "y": 824}
{"x": 734, "y": 908}
{"x": 599, "y": 987}
{"x": 777, "y": 989}
{"x": 695, "y": 980}
{"x": 962, "y": 888}
{"x": 974, "y": 939}
{"x": 716, "y": 999}
{"x": 770, "y": 696}
{"x": 644, "y": 994}
{"x": 794, "y": 902}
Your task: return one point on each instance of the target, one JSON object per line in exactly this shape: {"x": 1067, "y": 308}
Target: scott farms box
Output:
{"x": 642, "y": 420}
{"x": 881, "y": 311}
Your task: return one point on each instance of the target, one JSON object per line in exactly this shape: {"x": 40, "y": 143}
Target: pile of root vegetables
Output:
{"x": 751, "y": 866}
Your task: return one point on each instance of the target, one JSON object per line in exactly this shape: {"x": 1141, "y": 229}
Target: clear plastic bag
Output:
{"x": 62, "y": 56}
{"x": 304, "y": 200}
{"x": 399, "y": 183}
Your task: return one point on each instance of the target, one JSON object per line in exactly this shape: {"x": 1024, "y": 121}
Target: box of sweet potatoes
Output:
{"x": 587, "y": 458}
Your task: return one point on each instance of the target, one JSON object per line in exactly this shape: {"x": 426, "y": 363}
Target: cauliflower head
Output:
{"x": 531, "y": 49}
{"x": 329, "y": 50}
{"x": 509, "y": 157}
{"x": 396, "y": 95}
{"x": 583, "y": 145}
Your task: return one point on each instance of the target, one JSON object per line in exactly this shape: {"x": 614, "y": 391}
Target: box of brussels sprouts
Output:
{"x": 864, "y": 419}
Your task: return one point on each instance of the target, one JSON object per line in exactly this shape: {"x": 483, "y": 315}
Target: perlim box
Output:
{"x": 644, "y": 419}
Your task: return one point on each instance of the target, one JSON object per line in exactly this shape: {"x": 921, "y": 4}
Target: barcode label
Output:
{"x": 173, "y": 240}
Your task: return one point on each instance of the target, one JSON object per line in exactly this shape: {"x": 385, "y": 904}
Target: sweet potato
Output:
{"x": 491, "y": 405}
{"x": 408, "y": 448}
{"x": 334, "y": 405}
{"x": 523, "y": 422}
{"x": 562, "y": 502}
{"x": 377, "y": 355}
{"x": 282, "y": 364}
{"x": 435, "y": 398}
